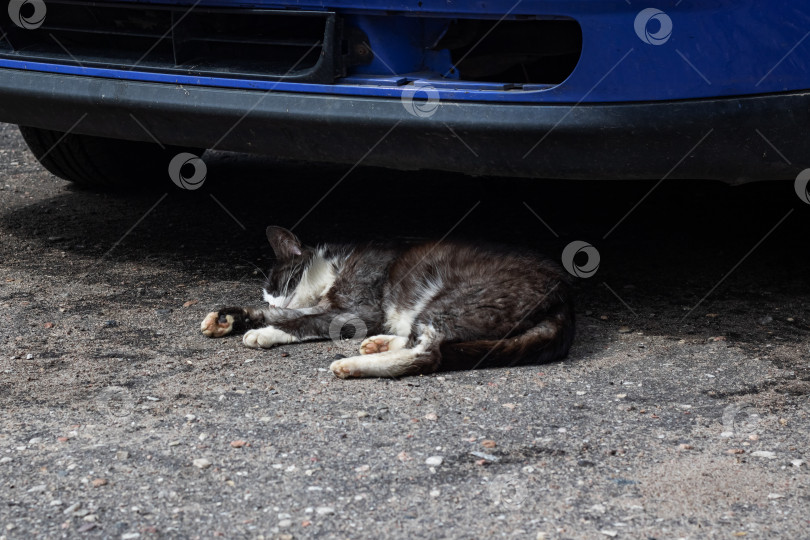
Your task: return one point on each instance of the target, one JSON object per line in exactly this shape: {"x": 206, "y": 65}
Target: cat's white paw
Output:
{"x": 212, "y": 327}
{"x": 251, "y": 339}
{"x": 378, "y": 344}
{"x": 345, "y": 368}
{"x": 267, "y": 337}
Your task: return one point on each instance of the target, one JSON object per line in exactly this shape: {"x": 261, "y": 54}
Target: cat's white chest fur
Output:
{"x": 316, "y": 281}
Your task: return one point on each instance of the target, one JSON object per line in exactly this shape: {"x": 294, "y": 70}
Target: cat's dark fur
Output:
{"x": 427, "y": 307}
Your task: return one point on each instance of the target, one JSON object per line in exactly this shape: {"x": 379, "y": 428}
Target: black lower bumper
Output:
{"x": 731, "y": 139}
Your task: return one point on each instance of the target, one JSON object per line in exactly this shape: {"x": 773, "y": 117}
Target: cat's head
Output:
{"x": 291, "y": 261}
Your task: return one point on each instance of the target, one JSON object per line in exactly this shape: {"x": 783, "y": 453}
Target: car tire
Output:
{"x": 102, "y": 163}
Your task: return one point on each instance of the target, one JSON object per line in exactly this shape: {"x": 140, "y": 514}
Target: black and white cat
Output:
{"x": 430, "y": 306}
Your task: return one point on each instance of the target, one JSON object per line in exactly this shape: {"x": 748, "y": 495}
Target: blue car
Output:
{"x": 111, "y": 93}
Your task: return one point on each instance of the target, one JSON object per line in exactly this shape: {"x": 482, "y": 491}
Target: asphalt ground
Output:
{"x": 681, "y": 412}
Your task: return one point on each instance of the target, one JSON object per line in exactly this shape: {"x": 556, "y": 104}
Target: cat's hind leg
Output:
{"x": 382, "y": 343}
{"x": 423, "y": 357}
{"x": 386, "y": 364}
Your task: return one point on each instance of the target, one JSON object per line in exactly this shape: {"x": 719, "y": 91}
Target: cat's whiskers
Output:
{"x": 286, "y": 287}
{"x": 286, "y": 290}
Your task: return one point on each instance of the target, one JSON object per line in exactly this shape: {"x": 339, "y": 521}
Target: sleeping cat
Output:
{"x": 430, "y": 306}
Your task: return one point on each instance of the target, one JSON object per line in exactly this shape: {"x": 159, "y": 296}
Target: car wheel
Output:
{"x": 102, "y": 163}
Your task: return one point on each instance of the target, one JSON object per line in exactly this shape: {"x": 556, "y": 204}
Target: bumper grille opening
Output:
{"x": 259, "y": 44}
{"x": 522, "y": 52}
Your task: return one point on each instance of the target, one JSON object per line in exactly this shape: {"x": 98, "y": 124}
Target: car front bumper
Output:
{"x": 733, "y": 139}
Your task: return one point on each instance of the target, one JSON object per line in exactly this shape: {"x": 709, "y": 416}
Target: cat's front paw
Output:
{"x": 265, "y": 338}
{"x": 251, "y": 339}
{"x": 216, "y": 325}
{"x": 345, "y": 368}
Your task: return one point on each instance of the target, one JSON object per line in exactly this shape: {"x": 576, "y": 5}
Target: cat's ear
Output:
{"x": 285, "y": 244}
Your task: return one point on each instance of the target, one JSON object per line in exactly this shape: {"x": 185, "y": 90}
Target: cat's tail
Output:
{"x": 547, "y": 341}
